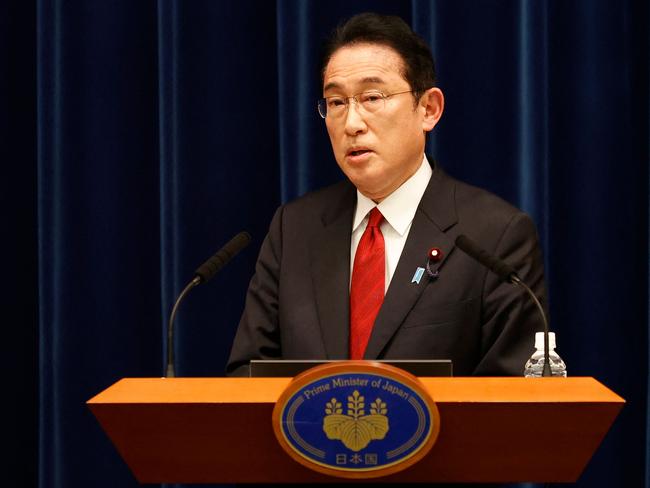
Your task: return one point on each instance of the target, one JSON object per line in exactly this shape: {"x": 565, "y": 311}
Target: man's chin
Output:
{"x": 373, "y": 190}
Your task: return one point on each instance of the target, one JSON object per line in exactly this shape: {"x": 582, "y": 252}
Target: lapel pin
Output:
{"x": 418, "y": 275}
{"x": 433, "y": 256}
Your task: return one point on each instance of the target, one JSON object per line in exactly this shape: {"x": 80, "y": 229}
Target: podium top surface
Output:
{"x": 442, "y": 390}
{"x": 218, "y": 430}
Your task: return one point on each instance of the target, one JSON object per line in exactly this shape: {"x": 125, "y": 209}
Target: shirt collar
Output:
{"x": 399, "y": 207}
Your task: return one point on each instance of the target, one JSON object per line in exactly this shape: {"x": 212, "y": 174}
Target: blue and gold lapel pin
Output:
{"x": 433, "y": 256}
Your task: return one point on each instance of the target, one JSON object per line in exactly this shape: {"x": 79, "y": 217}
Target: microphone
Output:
{"x": 203, "y": 274}
{"x": 508, "y": 274}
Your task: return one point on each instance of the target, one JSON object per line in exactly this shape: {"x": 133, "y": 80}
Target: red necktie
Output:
{"x": 367, "y": 289}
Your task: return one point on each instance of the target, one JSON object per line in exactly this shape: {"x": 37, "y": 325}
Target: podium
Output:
{"x": 218, "y": 430}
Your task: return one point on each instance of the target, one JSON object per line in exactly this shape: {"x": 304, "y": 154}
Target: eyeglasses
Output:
{"x": 368, "y": 102}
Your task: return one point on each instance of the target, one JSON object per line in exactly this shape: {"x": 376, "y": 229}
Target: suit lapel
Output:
{"x": 330, "y": 265}
{"x": 436, "y": 213}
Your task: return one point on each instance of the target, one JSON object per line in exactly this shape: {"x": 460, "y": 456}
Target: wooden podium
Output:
{"x": 218, "y": 430}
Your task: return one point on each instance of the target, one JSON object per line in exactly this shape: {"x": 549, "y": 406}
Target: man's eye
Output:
{"x": 335, "y": 102}
{"x": 371, "y": 97}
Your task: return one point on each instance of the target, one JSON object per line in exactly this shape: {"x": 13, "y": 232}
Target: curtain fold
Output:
{"x": 97, "y": 191}
{"x": 138, "y": 138}
{"x": 168, "y": 99}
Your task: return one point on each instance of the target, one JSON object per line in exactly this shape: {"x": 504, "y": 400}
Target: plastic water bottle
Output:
{"x": 535, "y": 364}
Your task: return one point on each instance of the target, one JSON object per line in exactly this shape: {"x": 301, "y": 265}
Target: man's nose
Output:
{"x": 354, "y": 121}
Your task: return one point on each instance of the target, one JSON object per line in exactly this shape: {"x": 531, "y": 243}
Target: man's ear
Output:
{"x": 433, "y": 103}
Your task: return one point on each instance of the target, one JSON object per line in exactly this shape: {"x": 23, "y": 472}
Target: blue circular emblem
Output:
{"x": 356, "y": 420}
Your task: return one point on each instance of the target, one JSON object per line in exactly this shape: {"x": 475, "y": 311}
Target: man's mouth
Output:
{"x": 358, "y": 152}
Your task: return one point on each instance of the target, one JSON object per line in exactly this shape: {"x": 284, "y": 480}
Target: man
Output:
{"x": 341, "y": 272}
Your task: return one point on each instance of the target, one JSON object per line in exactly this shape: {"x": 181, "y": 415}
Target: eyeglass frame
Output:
{"x": 384, "y": 97}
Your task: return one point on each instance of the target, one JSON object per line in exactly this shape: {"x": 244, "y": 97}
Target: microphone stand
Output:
{"x": 171, "y": 373}
{"x": 506, "y": 273}
{"x": 203, "y": 274}
{"x": 546, "y": 371}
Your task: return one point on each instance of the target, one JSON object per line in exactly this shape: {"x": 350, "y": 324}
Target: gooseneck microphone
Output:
{"x": 508, "y": 274}
{"x": 203, "y": 274}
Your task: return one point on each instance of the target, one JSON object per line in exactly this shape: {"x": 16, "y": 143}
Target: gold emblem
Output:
{"x": 356, "y": 429}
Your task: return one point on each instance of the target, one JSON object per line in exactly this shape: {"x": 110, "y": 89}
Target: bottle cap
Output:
{"x": 539, "y": 340}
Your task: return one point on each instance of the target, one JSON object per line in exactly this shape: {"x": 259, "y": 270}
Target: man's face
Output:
{"x": 377, "y": 151}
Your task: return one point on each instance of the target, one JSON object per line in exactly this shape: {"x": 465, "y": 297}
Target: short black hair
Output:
{"x": 390, "y": 31}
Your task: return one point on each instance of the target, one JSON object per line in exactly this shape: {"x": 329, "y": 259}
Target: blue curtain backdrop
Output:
{"x": 138, "y": 137}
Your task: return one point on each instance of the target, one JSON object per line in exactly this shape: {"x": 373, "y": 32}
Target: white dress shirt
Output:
{"x": 398, "y": 210}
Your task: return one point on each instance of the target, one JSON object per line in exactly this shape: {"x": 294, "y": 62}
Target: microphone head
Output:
{"x": 494, "y": 264}
{"x": 212, "y": 266}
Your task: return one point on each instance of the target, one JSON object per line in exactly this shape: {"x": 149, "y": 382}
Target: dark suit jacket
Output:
{"x": 297, "y": 306}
